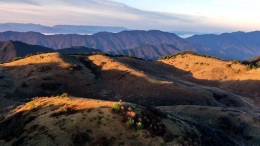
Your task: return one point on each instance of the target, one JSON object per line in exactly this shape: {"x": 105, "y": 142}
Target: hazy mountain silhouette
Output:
{"x": 62, "y": 29}
{"x": 236, "y": 45}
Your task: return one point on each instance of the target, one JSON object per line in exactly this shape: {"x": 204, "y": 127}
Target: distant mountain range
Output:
{"x": 109, "y": 42}
{"x": 149, "y": 51}
{"x": 147, "y": 44}
{"x": 58, "y": 29}
{"x": 236, "y": 45}
{"x": 12, "y": 49}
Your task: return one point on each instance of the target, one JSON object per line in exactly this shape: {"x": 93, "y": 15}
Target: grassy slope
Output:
{"x": 226, "y": 75}
{"x": 164, "y": 82}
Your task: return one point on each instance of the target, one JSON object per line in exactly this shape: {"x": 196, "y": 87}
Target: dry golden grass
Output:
{"x": 212, "y": 69}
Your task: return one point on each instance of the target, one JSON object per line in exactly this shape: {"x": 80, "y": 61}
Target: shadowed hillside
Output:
{"x": 78, "y": 50}
{"x": 149, "y": 51}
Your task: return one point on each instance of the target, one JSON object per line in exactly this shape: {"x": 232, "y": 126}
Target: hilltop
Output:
{"x": 231, "y": 76}
{"x": 64, "y": 120}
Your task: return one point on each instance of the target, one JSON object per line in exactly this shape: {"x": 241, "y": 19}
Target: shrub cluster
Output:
{"x": 106, "y": 54}
{"x": 251, "y": 65}
{"x": 184, "y": 53}
{"x": 28, "y": 55}
{"x": 148, "y": 118}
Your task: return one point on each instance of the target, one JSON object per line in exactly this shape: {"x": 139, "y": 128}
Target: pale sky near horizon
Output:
{"x": 166, "y": 15}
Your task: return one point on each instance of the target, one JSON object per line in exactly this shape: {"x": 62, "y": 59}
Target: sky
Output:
{"x": 166, "y": 15}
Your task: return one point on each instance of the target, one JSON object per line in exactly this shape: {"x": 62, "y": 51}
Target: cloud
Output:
{"x": 95, "y": 12}
{"x": 31, "y": 2}
{"x": 116, "y": 9}
{"x": 238, "y": 1}
{"x": 233, "y": 1}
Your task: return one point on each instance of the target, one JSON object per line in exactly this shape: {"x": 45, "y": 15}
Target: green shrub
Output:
{"x": 28, "y": 55}
{"x": 235, "y": 62}
{"x": 180, "y": 139}
{"x": 116, "y": 107}
{"x": 162, "y": 144}
{"x": 184, "y": 53}
{"x": 16, "y": 58}
{"x": 130, "y": 122}
{"x": 228, "y": 65}
{"x": 63, "y": 95}
{"x": 31, "y": 106}
{"x": 139, "y": 126}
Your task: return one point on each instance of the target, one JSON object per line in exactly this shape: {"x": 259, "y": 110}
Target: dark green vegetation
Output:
{"x": 252, "y": 63}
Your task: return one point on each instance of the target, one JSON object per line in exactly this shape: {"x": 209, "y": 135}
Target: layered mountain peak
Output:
{"x": 12, "y": 49}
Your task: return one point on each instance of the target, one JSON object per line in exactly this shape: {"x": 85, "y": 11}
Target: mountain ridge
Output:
{"x": 105, "y": 41}
{"x": 148, "y": 44}
{"x": 236, "y": 45}
{"x": 16, "y": 49}
{"x": 62, "y": 29}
